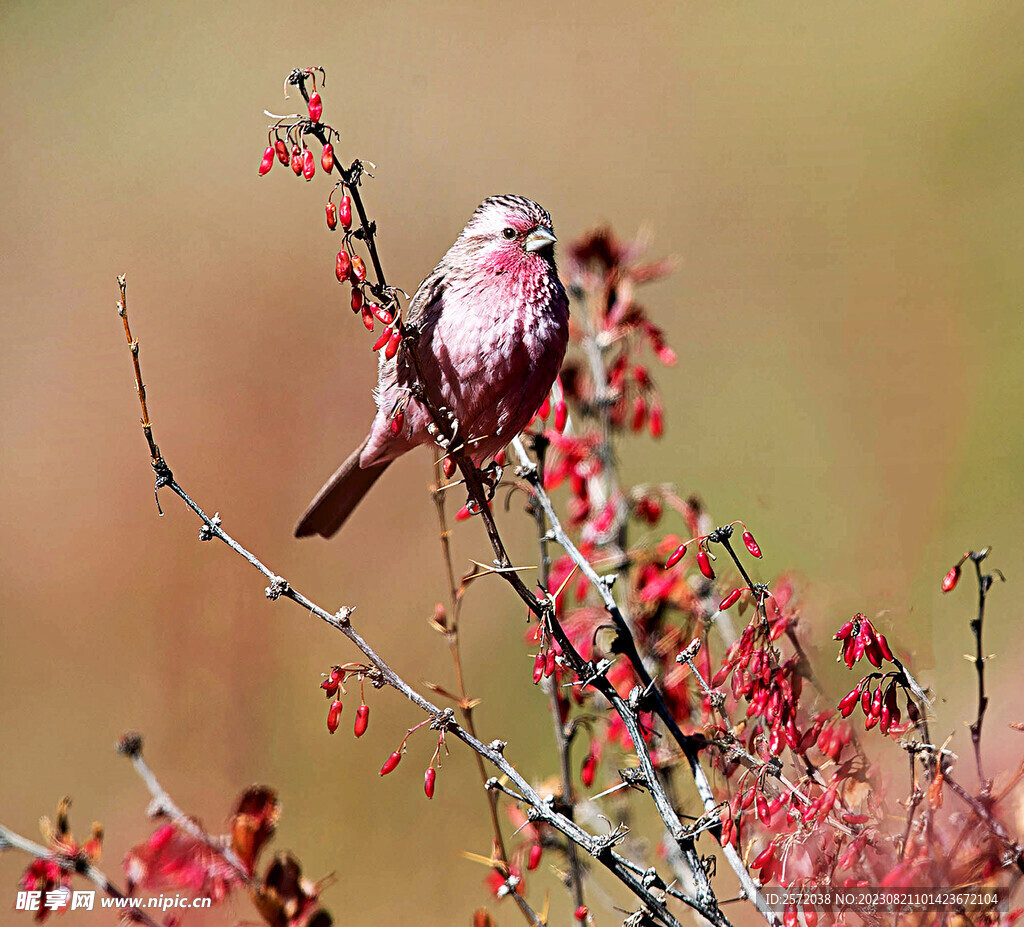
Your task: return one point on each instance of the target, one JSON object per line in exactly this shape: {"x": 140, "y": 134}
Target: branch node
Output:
{"x": 277, "y": 588}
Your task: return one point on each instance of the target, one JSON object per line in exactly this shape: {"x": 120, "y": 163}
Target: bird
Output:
{"x": 493, "y": 326}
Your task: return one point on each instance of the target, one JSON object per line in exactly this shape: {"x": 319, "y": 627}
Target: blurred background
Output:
{"x": 842, "y": 188}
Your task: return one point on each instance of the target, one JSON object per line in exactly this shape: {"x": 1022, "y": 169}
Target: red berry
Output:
{"x": 761, "y": 809}
{"x": 357, "y": 299}
{"x": 461, "y": 515}
{"x": 950, "y": 580}
{"x": 549, "y": 663}
{"x": 639, "y": 413}
{"x": 675, "y": 556}
{"x": 588, "y": 769}
{"x": 296, "y": 160}
{"x": 334, "y": 715}
{"x": 268, "y": 160}
{"x": 342, "y": 265}
{"x": 545, "y": 408}
{"x": 883, "y": 645}
{"x": 536, "y": 850}
{"x": 448, "y": 466}
{"x": 332, "y": 216}
{"x": 704, "y": 562}
{"x": 849, "y": 701}
{"x": 382, "y": 340}
{"x": 396, "y": 428}
{"x": 308, "y": 164}
{"x": 561, "y": 415}
{"x": 282, "y": 151}
{"x": 358, "y": 268}
{"x": 345, "y": 210}
{"x": 316, "y": 107}
{"x": 655, "y": 423}
{"x": 327, "y": 158}
{"x": 730, "y": 600}
{"x": 393, "y": 342}
{"x": 844, "y": 632}
{"x": 362, "y": 720}
{"x": 386, "y": 317}
{"x": 538, "y": 661}
{"x": 390, "y": 763}
{"x": 764, "y": 857}
{"x": 581, "y": 913}
{"x": 428, "y": 781}
{"x": 748, "y": 539}
{"x": 368, "y": 319}
{"x": 789, "y": 918}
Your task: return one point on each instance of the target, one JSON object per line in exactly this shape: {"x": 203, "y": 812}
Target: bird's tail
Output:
{"x": 339, "y": 496}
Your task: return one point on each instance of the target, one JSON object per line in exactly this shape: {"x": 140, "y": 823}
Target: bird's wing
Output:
{"x": 428, "y": 299}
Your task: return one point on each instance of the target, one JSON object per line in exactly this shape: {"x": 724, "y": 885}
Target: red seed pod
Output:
{"x": 316, "y": 107}
{"x": 883, "y": 645}
{"x": 308, "y": 164}
{"x": 950, "y": 580}
{"x": 849, "y": 701}
{"x": 751, "y": 544}
{"x": 281, "y": 149}
{"x": 639, "y": 413}
{"x": 730, "y": 600}
{"x": 382, "y": 340}
{"x": 704, "y": 562}
{"x": 844, "y": 632}
{"x": 764, "y": 857}
{"x": 334, "y": 715}
{"x": 428, "y": 781}
{"x": 386, "y": 317}
{"x": 327, "y": 158}
{"x": 761, "y": 808}
{"x": 368, "y": 318}
{"x": 332, "y": 216}
{"x": 393, "y": 342}
{"x": 588, "y": 769}
{"x": 654, "y": 422}
{"x": 390, "y": 763}
{"x": 549, "y": 663}
{"x": 296, "y": 160}
{"x": 345, "y": 210}
{"x": 538, "y": 664}
{"x": 268, "y": 160}
{"x": 536, "y": 851}
{"x": 545, "y": 408}
{"x": 675, "y": 556}
{"x": 396, "y": 427}
{"x": 357, "y": 299}
{"x": 865, "y": 700}
{"x": 581, "y": 913}
{"x": 358, "y": 268}
{"x": 561, "y": 415}
{"x": 362, "y": 720}
{"x": 448, "y": 466}
{"x": 341, "y": 268}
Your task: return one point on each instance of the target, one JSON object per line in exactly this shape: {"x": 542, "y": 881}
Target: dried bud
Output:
{"x": 675, "y": 556}
{"x": 268, "y": 160}
{"x": 362, "y": 720}
{"x": 561, "y": 415}
{"x": 316, "y": 107}
{"x": 358, "y": 268}
{"x": 308, "y": 164}
{"x": 748, "y": 540}
{"x": 428, "y": 781}
{"x": 345, "y": 210}
{"x": 950, "y": 580}
{"x": 332, "y": 216}
{"x": 704, "y": 562}
{"x": 390, "y": 763}
{"x": 341, "y": 263}
{"x": 331, "y": 684}
{"x": 536, "y": 851}
{"x": 730, "y": 600}
{"x": 327, "y": 158}
{"x": 393, "y": 342}
{"x": 281, "y": 149}
{"x": 334, "y": 715}
{"x": 588, "y": 770}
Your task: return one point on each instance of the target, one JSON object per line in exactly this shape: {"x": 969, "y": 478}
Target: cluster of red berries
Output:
{"x": 860, "y": 639}
{"x": 333, "y": 683}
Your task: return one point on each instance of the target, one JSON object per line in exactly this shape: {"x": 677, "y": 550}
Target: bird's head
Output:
{"x": 509, "y": 234}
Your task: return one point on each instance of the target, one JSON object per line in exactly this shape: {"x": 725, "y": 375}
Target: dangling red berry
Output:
{"x": 849, "y": 701}
{"x": 296, "y": 160}
{"x": 332, "y": 216}
{"x": 362, "y": 720}
{"x": 538, "y": 664}
{"x": 639, "y": 413}
{"x": 281, "y": 150}
{"x": 358, "y": 268}
{"x": 345, "y": 210}
{"x": 393, "y": 342}
{"x": 545, "y": 408}
{"x": 341, "y": 266}
{"x": 382, "y": 340}
{"x": 308, "y": 164}
{"x": 950, "y": 580}
{"x": 536, "y": 851}
{"x": 561, "y": 415}
{"x": 730, "y": 600}
{"x": 268, "y": 160}
{"x": 675, "y": 556}
{"x": 655, "y": 422}
{"x": 581, "y": 913}
{"x": 751, "y": 544}
{"x": 588, "y": 769}
{"x": 390, "y": 763}
{"x": 327, "y": 158}
{"x": 704, "y": 562}
{"x": 428, "y": 781}
{"x": 316, "y": 107}
{"x": 334, "y": 716}
{"x": 357, "y": 299}
{"x": 368, "y": 319}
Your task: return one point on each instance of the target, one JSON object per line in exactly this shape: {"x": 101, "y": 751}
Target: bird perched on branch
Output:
{"x": 493, "y": 325}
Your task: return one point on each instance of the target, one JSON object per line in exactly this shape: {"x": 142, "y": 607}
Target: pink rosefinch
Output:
{"x": 493, "y": 319}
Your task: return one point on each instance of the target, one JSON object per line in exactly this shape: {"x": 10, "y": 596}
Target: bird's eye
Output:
{"x": 509, "y": 233}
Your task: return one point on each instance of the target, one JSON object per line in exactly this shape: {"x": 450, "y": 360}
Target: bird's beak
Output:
{"x": 539, "y": 239}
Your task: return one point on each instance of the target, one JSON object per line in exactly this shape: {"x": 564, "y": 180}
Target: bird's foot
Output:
{"x": 449, "y": 443}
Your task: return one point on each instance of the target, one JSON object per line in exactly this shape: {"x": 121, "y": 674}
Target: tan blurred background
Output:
{"x": 842, "y": 185}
